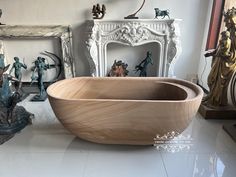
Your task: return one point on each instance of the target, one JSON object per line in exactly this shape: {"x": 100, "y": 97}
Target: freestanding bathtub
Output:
{"x": 124, "y": 110}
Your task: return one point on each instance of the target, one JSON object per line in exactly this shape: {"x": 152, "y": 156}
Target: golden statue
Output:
{"x": 223, "y": 63}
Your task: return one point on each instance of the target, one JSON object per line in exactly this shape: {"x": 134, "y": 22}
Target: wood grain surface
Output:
{"x": 124, "y": 110}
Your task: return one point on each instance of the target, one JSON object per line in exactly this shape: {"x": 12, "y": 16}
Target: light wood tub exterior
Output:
{"x": 124, "y": 110}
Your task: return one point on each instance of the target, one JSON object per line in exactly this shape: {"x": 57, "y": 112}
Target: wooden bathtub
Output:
{"x": 124, "y": 110}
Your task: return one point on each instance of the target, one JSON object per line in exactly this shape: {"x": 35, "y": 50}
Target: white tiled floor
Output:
{"x": 46, "y": 149}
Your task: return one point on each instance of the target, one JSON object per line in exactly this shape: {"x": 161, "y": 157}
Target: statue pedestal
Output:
{"x": 20, "y": 119}
{"x": 227, "y": 112}
{"x": 38, "y": 98}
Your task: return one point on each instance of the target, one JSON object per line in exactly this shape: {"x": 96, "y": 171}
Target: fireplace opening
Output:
{"x": 134, "y": 55}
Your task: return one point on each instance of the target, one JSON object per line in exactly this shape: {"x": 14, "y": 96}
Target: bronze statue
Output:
{"x": 12, "y": 117}
{"x": 118, "y": 69}
{"x": 39, "y": 68}
{"x": 223, "y": 63}
{"x": 98, "y": 12}
{"x": 161, "y": 13}
{"x": 17, "y": 65}
{"x": 133, "y": 16}
{"x": 142, "y": 67}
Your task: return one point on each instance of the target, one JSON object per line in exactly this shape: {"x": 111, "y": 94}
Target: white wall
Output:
{"x": 75, "y": 12}
{"x": 205, "y": 63}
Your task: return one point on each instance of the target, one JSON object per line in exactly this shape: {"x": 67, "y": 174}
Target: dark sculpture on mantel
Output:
{"x": 13, "y": 118}
{"x": 222, "y": 69}
{"x": 161, "y": 13}
{"x": 133, "y": 16}
{"x": 142, "y": 67}
{"x": 98, "y": 12}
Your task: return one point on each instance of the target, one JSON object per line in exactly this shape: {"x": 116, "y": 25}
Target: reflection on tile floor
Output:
{"x": 46, "y": 149}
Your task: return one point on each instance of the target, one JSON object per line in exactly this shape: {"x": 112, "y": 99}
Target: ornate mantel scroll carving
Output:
{"x": 63, "y": 33}
{"x": 133, "y": 33}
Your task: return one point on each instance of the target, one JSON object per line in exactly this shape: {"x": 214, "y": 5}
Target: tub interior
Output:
{"x": 117, "y": 90}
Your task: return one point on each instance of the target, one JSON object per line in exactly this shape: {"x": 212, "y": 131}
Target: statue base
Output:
{"x": 20, "y": 119}
{"x": 130, "y": 17}
{"x": 226, "y": 112}
{"x": 39, "y": 98}
{"x": 231, "y": 130}
{"x": 5, "y": 138}
{"x": 22, "y": 92}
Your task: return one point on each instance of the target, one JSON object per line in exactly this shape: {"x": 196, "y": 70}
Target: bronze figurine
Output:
{"x": 142, "y": 67}
{"x": 223, "y": 63}
{"x": 161, "y": 13}
{"x": 17, "y": 65}
{"x": 98, "y": 12}
{"x": 133, "y": 16}
{"x": 39, "y": 68}
{"x": 13, "y": 118}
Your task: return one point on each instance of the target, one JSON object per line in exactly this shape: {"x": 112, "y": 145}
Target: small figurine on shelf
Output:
{"x": 13, "y": 118}
{"x": 17, "y": 65}
{"x": 118, "y": 69}
{"x": 142, "y": 67}
{"x": 133, "y": 16}
{"x": 161, "y": 13}
{"x": 40, "y": 67}
{"x": 98, "y": 12}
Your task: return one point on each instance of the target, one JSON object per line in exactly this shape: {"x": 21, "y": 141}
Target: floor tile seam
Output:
{"x": 163, "y": 164}
{"x": 85, "y": 164}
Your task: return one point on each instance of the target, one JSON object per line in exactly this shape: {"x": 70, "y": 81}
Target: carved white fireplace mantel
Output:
{"x": 133, "y": 33}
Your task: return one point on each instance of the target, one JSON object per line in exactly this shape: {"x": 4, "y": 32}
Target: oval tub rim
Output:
{"x": 194, "y": 87}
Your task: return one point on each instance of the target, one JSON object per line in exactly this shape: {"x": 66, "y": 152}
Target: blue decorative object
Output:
{"x": 142, "y": 67}
{"x": 161, "y": 13}
{"x": 39, "y": 68}
{"x": 13, "y": 118}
